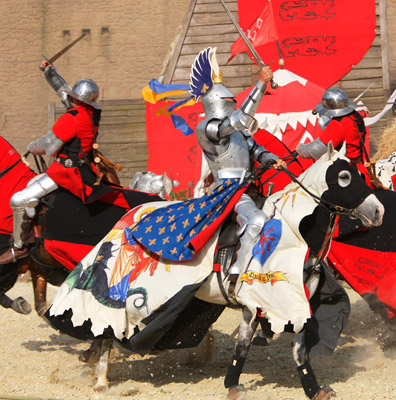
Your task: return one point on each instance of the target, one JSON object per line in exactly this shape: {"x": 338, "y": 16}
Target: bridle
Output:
{"x": 332, "y": 208}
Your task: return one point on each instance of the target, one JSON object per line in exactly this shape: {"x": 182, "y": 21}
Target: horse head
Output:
{"x": 342, "y": 188}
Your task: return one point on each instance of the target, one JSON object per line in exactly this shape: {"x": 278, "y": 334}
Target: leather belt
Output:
{"x": 68, "y": 162}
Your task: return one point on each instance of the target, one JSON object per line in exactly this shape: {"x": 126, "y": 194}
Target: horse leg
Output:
{"x": 91, "y": 356}
{"x": 103, "y": 365}
{"x": 40, "y": 292}
{"x": 305, "y": 372}
{"x": 245, "y": 335}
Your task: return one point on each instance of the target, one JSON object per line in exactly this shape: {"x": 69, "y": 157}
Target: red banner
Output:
{"x": 319, "y": 40}
{"x": 169, "y": 150}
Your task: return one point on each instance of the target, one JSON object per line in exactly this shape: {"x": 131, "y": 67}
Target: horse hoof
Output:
{"x": 20, "y": 305}
{"x": 260, "y": 341}
{"x": 89, "y": 357}
{"x": 325, "y": 393}
{"x": 41, "y": 309}
{"x": 100, "y": 388}
{"x": 236, "y": 393}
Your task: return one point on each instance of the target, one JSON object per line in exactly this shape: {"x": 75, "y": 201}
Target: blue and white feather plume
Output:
{"x": 203, "y": 72}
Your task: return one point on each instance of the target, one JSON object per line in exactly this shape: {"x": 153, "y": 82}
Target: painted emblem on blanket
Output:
{"x": 269, "y": 240}
{"x": 273, "y": 277}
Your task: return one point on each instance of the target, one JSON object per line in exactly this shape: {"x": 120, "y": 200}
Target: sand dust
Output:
{"x": 36, "y": 362}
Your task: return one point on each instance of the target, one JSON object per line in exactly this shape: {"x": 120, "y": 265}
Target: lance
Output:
{"x": 363, "y": 93}
{"x": 63, "y": 51}
{"x": 248, "y": 43}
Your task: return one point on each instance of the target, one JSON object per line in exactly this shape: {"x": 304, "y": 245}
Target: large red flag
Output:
{"x": 319, "y": 40}
{"x": 260, "y": 32}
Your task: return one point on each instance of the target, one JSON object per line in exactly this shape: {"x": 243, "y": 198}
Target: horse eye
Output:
{"x": 344, "y": 178}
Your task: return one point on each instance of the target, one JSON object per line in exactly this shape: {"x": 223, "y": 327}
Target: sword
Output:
{"x": 249, "y": 45}
{"x": 63, "y": 51}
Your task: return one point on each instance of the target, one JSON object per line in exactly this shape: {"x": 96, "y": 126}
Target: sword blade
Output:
{"x": 248, "y": 43}
{"x": 63, "y": 51}
{"x": 243, "y": 35}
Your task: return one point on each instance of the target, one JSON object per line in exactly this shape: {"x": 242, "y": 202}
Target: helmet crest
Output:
{"x": 204, "y": 73}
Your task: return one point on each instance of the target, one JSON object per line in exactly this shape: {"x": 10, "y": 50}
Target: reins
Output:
{"x": 328, "y": 205}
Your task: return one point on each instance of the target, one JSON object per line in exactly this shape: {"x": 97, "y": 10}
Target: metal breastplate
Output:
{"x": 234, "y": 161}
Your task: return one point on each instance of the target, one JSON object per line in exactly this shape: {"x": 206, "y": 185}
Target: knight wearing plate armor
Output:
{"x": 225, "y": 136}
{"x": 70, "y": 144}
{"x": 341, "y": 120}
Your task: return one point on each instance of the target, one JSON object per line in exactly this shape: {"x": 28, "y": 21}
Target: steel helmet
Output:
{"x": 335, "y": 103}
{"x": 85, "y": 90}
{"x": 219, "y": 102}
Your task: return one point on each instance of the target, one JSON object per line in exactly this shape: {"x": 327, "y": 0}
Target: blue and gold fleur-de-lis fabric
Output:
{"x": 177, "y": 232}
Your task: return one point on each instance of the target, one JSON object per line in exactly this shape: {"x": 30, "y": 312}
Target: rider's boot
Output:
{"x": 17, "y": 249}
{"x": 251, "y": 221}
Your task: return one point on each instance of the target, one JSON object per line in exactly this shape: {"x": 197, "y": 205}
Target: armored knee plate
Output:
{"x": 27, "y": 200}
{"x": 251, "y": 221}
{"x": 248, "y": 215}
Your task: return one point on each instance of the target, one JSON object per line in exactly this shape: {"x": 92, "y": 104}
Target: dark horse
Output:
{"x": 62, "y": 233}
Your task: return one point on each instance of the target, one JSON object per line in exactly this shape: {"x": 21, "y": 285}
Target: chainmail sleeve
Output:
{"x": 314, "y": 149}
{"x": 48, "y": 144}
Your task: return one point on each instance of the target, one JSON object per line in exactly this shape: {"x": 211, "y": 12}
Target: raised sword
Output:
{"x": 248, "y": 43}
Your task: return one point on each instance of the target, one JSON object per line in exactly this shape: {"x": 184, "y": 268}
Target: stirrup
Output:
{"x": 13, "y": 254}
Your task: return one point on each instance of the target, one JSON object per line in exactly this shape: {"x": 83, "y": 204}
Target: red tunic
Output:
{"x": 11, "y": 181}
{"x": 77, "y": 130}
{"x": 344, "y": 130}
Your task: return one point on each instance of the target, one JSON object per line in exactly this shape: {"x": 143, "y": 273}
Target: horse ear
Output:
{"x": 343, "y": 149}
{"x": 330, "y": 151}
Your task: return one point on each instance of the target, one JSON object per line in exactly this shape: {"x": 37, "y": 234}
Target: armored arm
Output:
{"x": 243, "y": 117}
{"x": 258, "y": 152}
{"x": 48, "y": 144}
{"x": 313, "y": 150}
{"x": 240, "y": 119}
{"x": 57, "y": 83}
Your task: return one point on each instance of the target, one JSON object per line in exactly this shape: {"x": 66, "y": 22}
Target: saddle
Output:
{"x": 227, "y": 245}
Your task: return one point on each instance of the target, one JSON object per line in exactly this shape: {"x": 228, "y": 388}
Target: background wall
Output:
{"x": 127, "y": 46}
{"x": 128, "y": 43}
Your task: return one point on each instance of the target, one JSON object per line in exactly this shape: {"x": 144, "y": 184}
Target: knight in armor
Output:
{"x": 225, "y": 136}
{"x": 70, "y": 145}
{"x": 341, "y": 121}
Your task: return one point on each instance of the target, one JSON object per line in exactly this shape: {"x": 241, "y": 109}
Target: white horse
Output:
{"x": 122, "y": 291}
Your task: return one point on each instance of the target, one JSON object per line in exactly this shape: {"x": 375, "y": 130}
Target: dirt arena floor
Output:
{"x": 36, "y": 362}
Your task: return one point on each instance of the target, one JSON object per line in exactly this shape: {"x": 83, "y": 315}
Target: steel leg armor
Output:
{"x": 27, "y": 200}
{"x": 251, "y": 221}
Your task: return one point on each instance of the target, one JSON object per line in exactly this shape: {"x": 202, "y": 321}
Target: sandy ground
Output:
{"x": 36, "y": 362}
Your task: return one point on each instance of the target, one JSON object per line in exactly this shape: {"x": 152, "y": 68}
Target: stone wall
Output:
{"x": 126, "y": 46}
